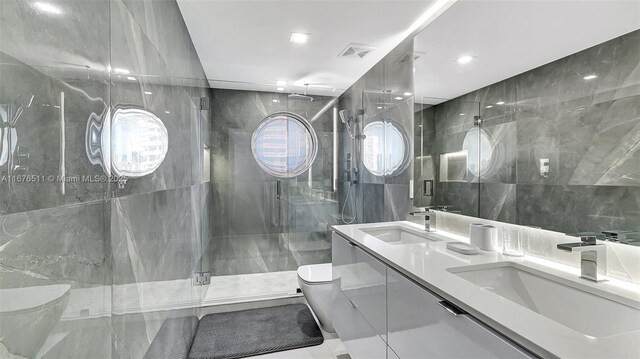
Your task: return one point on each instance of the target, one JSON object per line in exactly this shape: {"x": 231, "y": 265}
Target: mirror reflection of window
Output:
{"x": 139, "y": 142}
{"x": 385, "y": 148}
{"x": 8, "y": 137}
{"x": 479, "y": 148}
{"x": 126, "y": 141}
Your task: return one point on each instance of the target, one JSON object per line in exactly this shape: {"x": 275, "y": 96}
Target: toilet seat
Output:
{"x": 315, "y": 274}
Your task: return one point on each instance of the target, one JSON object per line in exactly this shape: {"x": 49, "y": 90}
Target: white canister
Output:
{"x": 483, "y": 236}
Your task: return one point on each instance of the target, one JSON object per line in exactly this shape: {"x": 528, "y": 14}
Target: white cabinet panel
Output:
{"x": 360, "y": 339}
{"x": 362, "y": 279}
{"x": 419, "y": 327}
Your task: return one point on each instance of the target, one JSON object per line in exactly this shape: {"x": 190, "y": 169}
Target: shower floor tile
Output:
{"x": 250, "y": 287}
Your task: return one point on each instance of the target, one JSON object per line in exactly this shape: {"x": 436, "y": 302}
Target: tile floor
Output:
{"x": 331, "y": 349}
{"x": 250, "y": 287}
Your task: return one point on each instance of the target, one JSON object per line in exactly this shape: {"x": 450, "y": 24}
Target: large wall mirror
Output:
{"x": 536, "y": 126}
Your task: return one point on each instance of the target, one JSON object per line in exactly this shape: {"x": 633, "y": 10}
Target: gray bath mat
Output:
{"x": 255, "y": 331}
{"x": 173, "y": 339}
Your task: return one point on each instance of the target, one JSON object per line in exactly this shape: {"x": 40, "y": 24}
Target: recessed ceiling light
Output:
{"x": 464, "y": 59}
{"x": 275, "y": 100}
{"x": 131, "y": 78}
{"x": 490, "y": 106}
{"x": 121, "y": 71}
{"x": 167, "y": 112}
{"x": 299, "y": 38}
{"x": 500, "y": 103}
{"x": 462, "y": 114}
{"x": 281, "y": 83}
{"x": 590, "y": 77}
{"x": 148, "y": 93}
{"x": 407, "y": 94}
{"x": 280, "y": 89}
{"x": 397, "y": 98}
{"x": 47, "y": 7}
{"x": 379, "y": 107}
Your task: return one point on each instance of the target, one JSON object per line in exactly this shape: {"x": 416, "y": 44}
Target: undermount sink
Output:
{"x": 398, "y": 235}
{"x": 579, "y": 307}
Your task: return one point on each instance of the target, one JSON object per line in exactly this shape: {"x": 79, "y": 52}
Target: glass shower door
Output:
{"x": 55, "y": 280}
{"x": 451, "y": 146}
{"x": 311, "y": 206}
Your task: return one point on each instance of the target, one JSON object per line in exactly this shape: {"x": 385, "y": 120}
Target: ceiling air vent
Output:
{"x": 356, "y": 51}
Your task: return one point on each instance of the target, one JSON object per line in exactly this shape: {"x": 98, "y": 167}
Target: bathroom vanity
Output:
{"x": 400, "y": 293}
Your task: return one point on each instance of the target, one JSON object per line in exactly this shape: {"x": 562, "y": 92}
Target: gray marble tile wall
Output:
{"x": 588, "y": 130}
{"x": 253, "y": 230}
{"x": 380, "y": 198}
{"x": 103, "y": 248}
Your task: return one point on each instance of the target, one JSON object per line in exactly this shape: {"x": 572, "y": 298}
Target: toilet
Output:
{"x": 33, "y": 310}
{"x": 315, "y": 283}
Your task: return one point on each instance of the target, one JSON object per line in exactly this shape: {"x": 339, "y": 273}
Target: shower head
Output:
{"x": 297, "y": 96}
{"x": 344, "y": 116}
{"x": 305, "y": 97}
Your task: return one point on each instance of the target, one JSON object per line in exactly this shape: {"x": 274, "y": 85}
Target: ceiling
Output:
{"x": 245, "y": 44}
{"x": 508, "y": 38}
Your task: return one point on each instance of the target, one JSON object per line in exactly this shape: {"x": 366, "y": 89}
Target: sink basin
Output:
{"x": 398, "y": 235}
{"x": 583, "y": 308}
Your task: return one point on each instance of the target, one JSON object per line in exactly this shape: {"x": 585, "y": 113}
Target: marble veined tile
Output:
{"x": 63, "y": 243}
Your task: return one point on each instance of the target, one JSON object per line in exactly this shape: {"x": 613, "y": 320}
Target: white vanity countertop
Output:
{"x": 427, "y": 264}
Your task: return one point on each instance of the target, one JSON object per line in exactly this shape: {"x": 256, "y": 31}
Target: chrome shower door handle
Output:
{"x": 278, "y": 189}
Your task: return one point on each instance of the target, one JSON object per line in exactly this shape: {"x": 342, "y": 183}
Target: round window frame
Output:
{"x": 308, "y": 162}
{"x": 407, "y": 152}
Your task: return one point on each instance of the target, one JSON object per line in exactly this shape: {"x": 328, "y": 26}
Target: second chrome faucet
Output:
{"x": 592, "y": 256}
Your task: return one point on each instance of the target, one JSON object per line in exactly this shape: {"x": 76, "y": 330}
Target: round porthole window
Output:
{"x": 385, "y": 148}
{"x": 284, "y": 144}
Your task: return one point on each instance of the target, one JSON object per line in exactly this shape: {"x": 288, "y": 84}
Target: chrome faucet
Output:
{"x": 591, "y": 254}
{"x": 621, "y": 236}
{"x": 429, "y": 218}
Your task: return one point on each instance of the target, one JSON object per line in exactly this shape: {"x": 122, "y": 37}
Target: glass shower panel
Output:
{"x": 55, "y": 282}
{"x": 457, "y": 155}
{"x": 424, "y": 189}
{"x": 311, "y": 206}
{"x": 160, "y": 208}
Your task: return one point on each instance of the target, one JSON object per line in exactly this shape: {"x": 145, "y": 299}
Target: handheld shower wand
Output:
{"x": 344, "y": 116}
